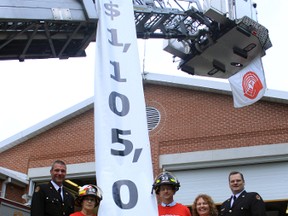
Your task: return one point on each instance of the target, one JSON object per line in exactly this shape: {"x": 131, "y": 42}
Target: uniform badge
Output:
{"x": 37, "y": 189}
{"x": 258, "y": 197}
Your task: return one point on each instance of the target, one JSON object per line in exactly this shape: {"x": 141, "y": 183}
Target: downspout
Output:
{"x": 4, "y": 187}
{"x": 28, "y": 197}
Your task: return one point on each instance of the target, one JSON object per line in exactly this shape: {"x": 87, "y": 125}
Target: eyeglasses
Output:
{"x": 89, "y": 199}
{"x": 168, "y": 188}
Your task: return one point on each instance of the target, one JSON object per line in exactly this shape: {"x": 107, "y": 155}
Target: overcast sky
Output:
{"x": 35, "y": 90}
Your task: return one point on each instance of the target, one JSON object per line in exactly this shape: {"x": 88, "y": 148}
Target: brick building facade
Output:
{"x": 191, "y": 120}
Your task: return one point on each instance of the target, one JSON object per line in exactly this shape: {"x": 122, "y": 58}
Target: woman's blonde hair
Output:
{"x": 210, "y": 202}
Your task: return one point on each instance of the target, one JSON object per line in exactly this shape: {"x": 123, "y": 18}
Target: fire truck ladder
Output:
{"x": 36, "y": 29}
{"x": 208, "y": 44}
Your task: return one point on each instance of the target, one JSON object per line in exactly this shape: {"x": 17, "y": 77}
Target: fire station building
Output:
{"x": 195, "y": 132}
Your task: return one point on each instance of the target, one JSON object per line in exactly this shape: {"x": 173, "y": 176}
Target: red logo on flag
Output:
{"x": 251, "y": 85}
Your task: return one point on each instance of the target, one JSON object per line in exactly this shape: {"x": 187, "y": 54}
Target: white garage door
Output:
{"x": 269, "y": 180}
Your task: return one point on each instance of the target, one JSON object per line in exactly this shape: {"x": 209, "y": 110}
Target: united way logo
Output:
{"x": 251, "y": 85}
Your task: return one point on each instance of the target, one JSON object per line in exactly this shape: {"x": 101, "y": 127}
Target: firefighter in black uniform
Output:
{"x": 52, "y": 199}
{"x": 242, "y": 203}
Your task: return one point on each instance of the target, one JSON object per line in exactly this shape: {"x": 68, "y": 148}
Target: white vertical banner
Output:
{"x": 248, "y": 85}
{"x": 122, "y": 148}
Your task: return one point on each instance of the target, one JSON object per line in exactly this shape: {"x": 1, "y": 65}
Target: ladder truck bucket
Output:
{"x": 231, "y": 52}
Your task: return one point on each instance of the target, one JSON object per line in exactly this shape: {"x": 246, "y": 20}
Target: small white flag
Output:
{"x": 248, "y": 85}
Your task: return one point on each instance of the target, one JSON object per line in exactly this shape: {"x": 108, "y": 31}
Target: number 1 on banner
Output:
{"x": 122, "y": 156}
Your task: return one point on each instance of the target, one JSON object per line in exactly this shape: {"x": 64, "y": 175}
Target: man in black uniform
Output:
{"x": 52, "y": 199}
{"x": 242, "y": 203}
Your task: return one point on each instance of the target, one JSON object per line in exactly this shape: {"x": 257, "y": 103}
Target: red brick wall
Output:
{"x": 14, "y": 192}
{"x": 190, "y": 121}
{"x": 195, "y": 121}
{"x": 71, "y": 141}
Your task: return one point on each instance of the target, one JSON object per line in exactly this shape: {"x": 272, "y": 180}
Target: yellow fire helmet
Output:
{"x": 165, "y": 178}
{"x": 89, "y": 190}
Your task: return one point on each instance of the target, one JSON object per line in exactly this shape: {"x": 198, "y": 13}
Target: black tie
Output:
{"x": 234, "y": 199}
{"x": 59, "y": 191}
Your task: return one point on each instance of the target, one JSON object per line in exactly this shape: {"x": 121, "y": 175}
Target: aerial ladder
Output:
{"x": 206, "y": 42}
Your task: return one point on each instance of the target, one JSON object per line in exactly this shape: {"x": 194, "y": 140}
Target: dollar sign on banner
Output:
{"x": 112, "y": 12}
